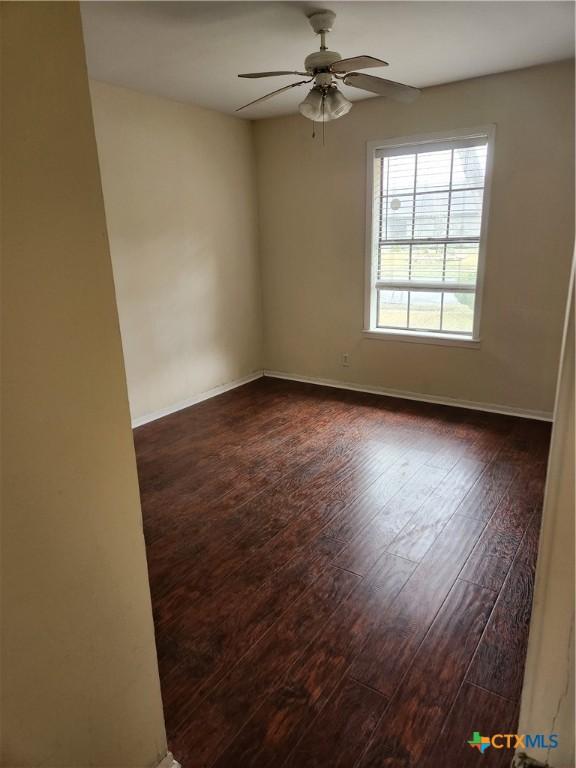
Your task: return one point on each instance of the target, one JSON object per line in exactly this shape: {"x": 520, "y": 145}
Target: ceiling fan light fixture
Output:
{"x": 337, "y": 105}
{"x": 322, "y": 105}
{"x": 311, "y": 107}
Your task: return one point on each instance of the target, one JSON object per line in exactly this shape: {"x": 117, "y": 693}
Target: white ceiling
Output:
{"x": 192, "y": 51}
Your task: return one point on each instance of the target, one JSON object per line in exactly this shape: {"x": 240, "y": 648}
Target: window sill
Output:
{"x": 443, "y": 340}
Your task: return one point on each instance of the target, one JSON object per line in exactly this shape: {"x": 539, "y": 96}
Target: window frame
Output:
{"x": 371, "y": 262}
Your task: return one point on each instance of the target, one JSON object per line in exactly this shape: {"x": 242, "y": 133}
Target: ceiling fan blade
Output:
{"x": 357, "y": 62}
{"x": 382, "y": 87}
{"x": 271, "y": 74}
{"x": 273, "y": 93}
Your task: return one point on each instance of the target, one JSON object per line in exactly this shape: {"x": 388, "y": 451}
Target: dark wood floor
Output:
{"x": 339, "y": 579}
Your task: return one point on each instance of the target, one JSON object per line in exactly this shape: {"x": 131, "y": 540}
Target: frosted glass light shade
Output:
{"x": 322, "y": 107}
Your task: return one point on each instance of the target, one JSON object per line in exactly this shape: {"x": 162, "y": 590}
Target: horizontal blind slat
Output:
{"x": 400, "y": 150}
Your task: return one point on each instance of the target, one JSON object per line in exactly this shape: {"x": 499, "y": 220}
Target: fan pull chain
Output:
{"x": 323, "y": 122}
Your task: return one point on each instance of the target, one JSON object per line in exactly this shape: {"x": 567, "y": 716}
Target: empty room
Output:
{"x": 287, "y": 384}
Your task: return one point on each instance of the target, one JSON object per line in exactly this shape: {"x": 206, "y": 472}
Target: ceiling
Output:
{"x": 192, "y": 51}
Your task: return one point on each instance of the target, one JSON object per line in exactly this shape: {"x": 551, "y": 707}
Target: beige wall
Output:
{"x": 548, "y": 695}
{"x": 79, "y": 674}
{"x": 179, "y": 191}
{"x": 312, "y": 231}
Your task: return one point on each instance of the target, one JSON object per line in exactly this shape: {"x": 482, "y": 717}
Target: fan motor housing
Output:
{"x": 320, "y": 60}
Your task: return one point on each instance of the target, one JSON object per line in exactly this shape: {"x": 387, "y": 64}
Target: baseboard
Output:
{"x": 169, "y": 762}
{"x": 436, "y": 400}
{"x": 195, "y": 399}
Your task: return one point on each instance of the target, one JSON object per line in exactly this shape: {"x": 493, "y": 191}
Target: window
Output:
{"x": 426, "y": 232}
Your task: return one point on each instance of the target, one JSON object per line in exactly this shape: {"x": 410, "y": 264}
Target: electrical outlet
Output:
{"x": 345, "y": 359}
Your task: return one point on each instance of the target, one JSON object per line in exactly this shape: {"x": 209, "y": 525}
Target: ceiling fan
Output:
{"x": 324, "y": 101}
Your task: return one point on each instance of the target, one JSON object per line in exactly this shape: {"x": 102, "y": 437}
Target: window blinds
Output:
{"x": 428, "y": 202}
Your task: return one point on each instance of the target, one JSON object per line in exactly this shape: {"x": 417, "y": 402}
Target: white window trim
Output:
{"x": 427, "y": 337}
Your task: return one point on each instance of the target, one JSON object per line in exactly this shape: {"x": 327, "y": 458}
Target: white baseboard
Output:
{"x": 169, "y": 762}
{"x": 436, "y": 400}
{"x": 195, "y": 399}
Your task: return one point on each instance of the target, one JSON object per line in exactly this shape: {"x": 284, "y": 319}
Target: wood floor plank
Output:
{"x": 325, "y": 466}
{"x": 492, "y": 556}
{"x": 474, "y": 710}
{"x": 416, "y": 713}
{"x": 450, "y": 450}
{"x": 527, "y": 443}
{"x": 483, "y": 498}
{"x": 376, "y": 536}
{"x": 390, "y": 647}
{"x": 234, "y": 578}
{"x": 406, "y": 469}
{"x": 210, "y": 416}
{"x": 338, "y": 736}
{"x": 332, "y": 435}
{"x": 227, "y": 420}
{"x": 320, "y": 422}
{"x": 498, "y": 665}
{"x": 272, "y": 732}
{"x": 222, "y": 635}
{"x": 203, "y": 728}
{"x": 188, "y": 454}
{"x": 421, "y": 531}
{"x": 205, "y": 571}
{"x": 491, "y": 436}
